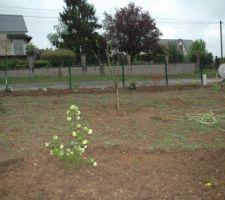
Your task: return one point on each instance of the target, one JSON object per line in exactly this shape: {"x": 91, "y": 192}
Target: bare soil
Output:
{"x": 144, "y": 151}
{"x": 50, "y": 92}
{"x": 121, "y": 174}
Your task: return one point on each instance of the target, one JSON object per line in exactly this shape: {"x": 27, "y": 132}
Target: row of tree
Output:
{"x": 130, "y": 30}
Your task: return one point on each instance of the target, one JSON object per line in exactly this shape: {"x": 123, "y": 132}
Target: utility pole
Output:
{"x": 221, "y": 38}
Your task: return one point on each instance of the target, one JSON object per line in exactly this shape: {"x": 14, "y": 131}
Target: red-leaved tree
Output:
{"x": 131, "y": 30}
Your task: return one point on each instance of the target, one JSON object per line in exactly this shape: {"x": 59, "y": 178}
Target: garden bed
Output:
{"x": 148, "y": 149}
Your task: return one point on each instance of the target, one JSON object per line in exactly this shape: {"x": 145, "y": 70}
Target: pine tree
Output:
{"x": 79, "y": 18}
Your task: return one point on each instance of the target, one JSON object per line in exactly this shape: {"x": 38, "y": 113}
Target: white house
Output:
{"x": 13, "y": 38}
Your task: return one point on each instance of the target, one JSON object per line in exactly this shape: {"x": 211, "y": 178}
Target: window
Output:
{"x": 18, "y": 46}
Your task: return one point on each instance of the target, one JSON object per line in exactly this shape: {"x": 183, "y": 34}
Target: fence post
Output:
{"x": 70, "y": 79}
{"x": 84, "y": 63}
{"x": 123, "y": 74}
{"x": 129, "y": 62}
{"x": 30, "y": 60}
{"x": 166, "y": 68}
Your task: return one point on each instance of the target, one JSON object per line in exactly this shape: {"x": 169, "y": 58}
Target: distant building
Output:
{"x": 13, "y": 38}
{"x": 182, "y": 45}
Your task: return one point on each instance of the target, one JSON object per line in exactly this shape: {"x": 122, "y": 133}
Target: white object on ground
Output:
{"x": 204, "y": 79}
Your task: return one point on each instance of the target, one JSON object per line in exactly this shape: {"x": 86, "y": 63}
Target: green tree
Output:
{"x": 81, "y": 24}
{"x": 175, "y": 55}
{"x": 199, "y": 48}
{"x": 32, "y": 50}
{"x": 56, "y": 38}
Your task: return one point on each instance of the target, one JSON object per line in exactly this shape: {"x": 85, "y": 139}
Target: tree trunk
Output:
{"x": 197, "y": 61}
{"x": 117, "y": 98}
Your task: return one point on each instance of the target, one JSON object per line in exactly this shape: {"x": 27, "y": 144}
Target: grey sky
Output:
{"x": 176, "y": 12}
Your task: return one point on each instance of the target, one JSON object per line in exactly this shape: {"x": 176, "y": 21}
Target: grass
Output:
{"x": 211, "y": 73}
{"x": 145, "y": 121}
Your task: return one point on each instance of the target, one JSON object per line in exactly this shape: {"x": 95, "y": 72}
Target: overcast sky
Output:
{"x": 175, "y": 18}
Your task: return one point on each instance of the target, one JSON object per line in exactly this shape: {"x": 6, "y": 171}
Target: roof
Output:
{"x": 168, "y": 42}
{"x": 12, "y": 23}
{"x": 14, "y": 36}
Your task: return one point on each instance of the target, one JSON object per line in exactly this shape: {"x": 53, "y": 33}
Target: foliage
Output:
{"x": 56, "y": 38}
{"x": 131, "y": 30}
{"x": 32, "y": 50}
{"x": 14, "y": 64}
{"x": 175, "y": 55}
{"x": 132, "y": 84}
{"x": 40, "y": 63}
{"x": 60, "y": 57}
{"x": 76, "y": 143}
{"x": 80, "y": 22}
{"x": 221, "y": 61}
{"x": 199, "y": 47}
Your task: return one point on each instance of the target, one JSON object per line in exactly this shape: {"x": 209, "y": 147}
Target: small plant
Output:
{"x": 75, "y": 143}
{"x": 217, "y": 87}
{"x": 132, "y": 84}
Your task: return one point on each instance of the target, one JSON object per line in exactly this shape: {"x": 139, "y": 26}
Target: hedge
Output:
{"x": 40, "y": 63}
{"x": 60, "y": 57}
{"x": 14, "y": 64}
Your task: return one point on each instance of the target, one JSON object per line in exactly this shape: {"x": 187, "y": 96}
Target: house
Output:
{"x": 182, "y": 45}
{"x": 13, "y": 38}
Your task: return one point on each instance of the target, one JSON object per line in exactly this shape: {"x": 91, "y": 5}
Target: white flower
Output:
{"x": 78, "y": 118}
{"x": 84, "y": 142}
{"x": 74, "y": 134}
{"x": 45, "y": 89}
{"x": 69, "y": 119}
{"x": 46, "y": 144}
{"x": 61, "y": 146}
{"x": 90, "y": 131}
{"x": 94, "y": 164}
{"x": 56, "y": 137}
{"x": 61, "y": 153}
{"x": 72, "y": 107}
{"x": 82, "y": 150}
{"x": 85, "y": 128}
{"x": 71, "y": 152}
{"x": 78, "y": 125}
{"x": 68, "y": 150}
{"x": 78, "y": 112}
{"x": 85, "y": 147}
{"x": 68, "y": 112}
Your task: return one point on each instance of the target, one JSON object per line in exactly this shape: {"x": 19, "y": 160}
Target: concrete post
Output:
{"x": 30, "y": 60}
{"x": 129, "y": 62}
{"x": 84, "y": 63}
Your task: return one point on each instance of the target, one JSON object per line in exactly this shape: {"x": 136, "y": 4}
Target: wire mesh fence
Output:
{"x": 136, "y": 73}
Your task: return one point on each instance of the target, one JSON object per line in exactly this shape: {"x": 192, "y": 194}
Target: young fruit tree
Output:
{"x": 131, "y": 30}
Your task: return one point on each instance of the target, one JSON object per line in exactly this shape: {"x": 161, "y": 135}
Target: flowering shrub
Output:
{"x": 76, "y": 143}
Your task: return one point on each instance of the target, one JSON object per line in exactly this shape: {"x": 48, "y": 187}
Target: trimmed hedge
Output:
{"x": 40, "y": 63}
{"x": 14, "y": 64}
{"x": 59, "y": 57}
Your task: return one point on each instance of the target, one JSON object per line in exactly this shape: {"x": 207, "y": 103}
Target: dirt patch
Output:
{"x": 121, "y": 174}
{"x": 52, "y": 92}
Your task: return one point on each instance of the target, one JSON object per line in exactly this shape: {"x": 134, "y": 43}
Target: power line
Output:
{"x": 186, "y": 23}
{"x": 28, "y": 8}
{"x": 22, "y": 11}
{"x": 41, "y": 17}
